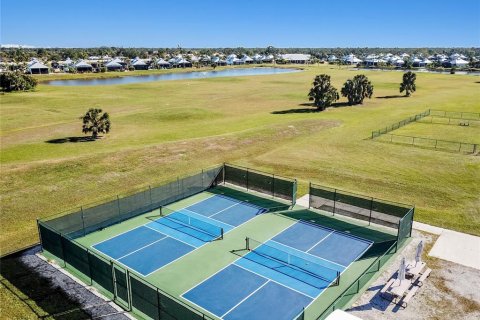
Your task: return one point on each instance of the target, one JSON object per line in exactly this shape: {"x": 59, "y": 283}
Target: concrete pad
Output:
{"x": 303, "y": 201}
{"x": 427, "y": 228}
{"x": 458, "y": 247}
{"x": 341, "y": 315}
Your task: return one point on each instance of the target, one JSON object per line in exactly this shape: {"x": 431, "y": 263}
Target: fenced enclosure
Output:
{"x": 58, "y": 234}
{"x": 386, "y": 213}
{"x": 62, "y": 236}
{"x": 432, "y": 117}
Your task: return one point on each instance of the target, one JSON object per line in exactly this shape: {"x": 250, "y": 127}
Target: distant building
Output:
{"x": 140, "y": 65}
{"x": 82, "y": 66}
{"x": 298, "y": 58}
{"x": 36, "y": 67}
{"x": 114, "y": 66}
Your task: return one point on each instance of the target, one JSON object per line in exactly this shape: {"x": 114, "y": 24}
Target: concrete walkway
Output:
{"x": 457, "y": 247}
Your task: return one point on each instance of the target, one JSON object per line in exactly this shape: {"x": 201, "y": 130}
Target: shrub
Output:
{"x": 16, "y": 81}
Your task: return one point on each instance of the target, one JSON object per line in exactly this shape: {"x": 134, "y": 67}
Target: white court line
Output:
{"x": 119, "y": 234}
{"x": 307, "y": 253}
{"x": 173, "y": 237}
{"x": 174, "y": 259}
{"x": 141, "y": 248}
{"x": 233, "y": 205}
{"x": 233, "y": 262}
{"x": 200, "y": 215}
{"x": 328, "y": 235}
{"x": 248, "y": 296}
{"x": 283, "y": 285}
{"x": 336, "y": 231}
{"x": 110, "y": 238}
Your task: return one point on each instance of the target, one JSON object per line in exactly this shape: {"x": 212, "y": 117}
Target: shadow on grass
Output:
{"x": 72, "y": 140}
{"x": 392, "y": 97}
{"x": 312, "y": 108}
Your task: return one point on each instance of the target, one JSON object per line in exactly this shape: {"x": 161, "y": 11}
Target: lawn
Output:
{"x": 164, "y": 129}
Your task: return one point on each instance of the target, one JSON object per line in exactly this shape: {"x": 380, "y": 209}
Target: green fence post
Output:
{"x": 247, "y": 177}
{"x": 178, "y": 187}
{"x": 129, "y": 289}
{"x": 309, "y": 195}
{"x": 118, "y": 205}
{"x": 114, "y": 281}
{"x": 89, "y": 267}
{"x": 159, "y": 304}
{"x": 39, "y": 235}
{"x": 371, "y": 208}
{"x": 151, "y": 199}
{"x": 334, "y": 200}
{"x": 83, "y": 221}
{"x": 273, "y": 186}
{"x": 63, "y": 250}
{"x": 203, "y": 182}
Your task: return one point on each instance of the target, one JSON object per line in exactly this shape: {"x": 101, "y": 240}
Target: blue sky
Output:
{"x": 241, "y": 23}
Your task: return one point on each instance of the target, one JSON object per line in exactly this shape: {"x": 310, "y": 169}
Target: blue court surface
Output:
{"x": 149, "y": 247}
{"x": 278, "y": 278}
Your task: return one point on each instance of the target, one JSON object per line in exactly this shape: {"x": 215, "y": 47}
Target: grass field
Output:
{"x": 164, "y": 129}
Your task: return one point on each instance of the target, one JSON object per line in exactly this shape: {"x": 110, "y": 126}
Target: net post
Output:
{"x": 221, "y": 233}
{"x": 247, "y": 243}
{"x": 83, "y": 221}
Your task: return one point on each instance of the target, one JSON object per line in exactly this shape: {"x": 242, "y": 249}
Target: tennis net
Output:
{"x": 197, "y": 228}
{"x": 299, "y": 266}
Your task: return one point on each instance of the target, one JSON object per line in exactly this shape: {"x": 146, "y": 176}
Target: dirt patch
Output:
{"x": 451, "y": 291}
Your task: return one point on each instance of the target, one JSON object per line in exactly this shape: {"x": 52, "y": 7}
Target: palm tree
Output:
{"x": 357, "y": 89}
{"x": 408, "y": 84}
{"x": 96, "y": 122}
{"x": 323, "y": 94}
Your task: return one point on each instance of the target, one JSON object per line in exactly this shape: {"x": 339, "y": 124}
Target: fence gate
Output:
{"x": 121, "y": 293}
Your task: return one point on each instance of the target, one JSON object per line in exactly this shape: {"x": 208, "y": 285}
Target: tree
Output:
{"x": 323, "y": 94}
{"x": 408, "y": 84}
{"x": 95, "y": 121}
{"x": 357, "y": 89}
{"x": 17, "y": 81}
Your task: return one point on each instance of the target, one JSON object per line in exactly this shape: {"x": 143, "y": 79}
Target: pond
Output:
{"x": 171, "y": 76}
